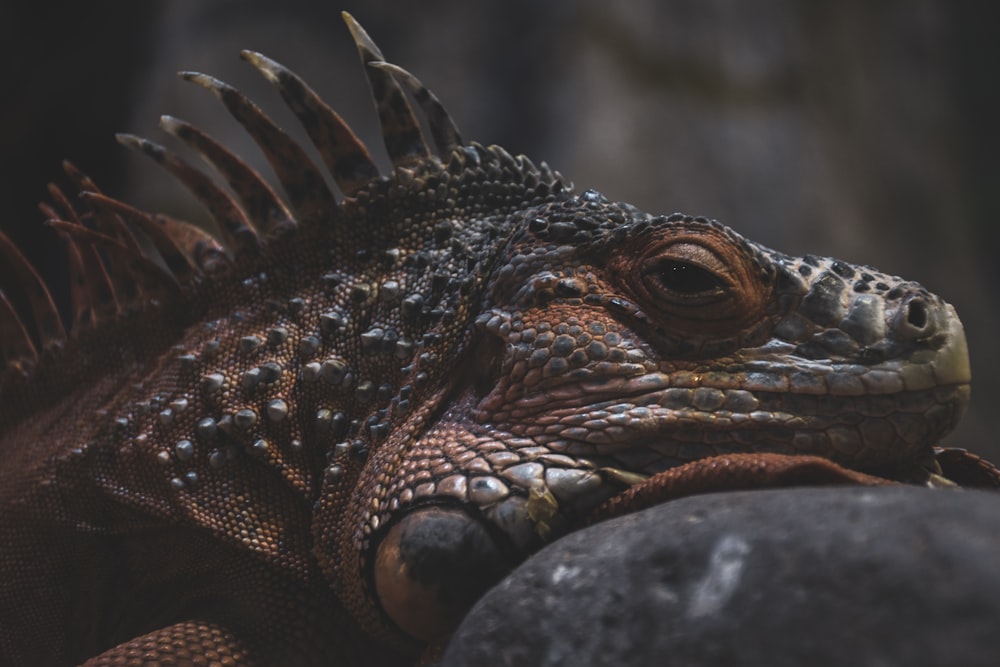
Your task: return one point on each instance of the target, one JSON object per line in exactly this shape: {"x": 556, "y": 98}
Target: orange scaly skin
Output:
{"x": 316, "y": 434}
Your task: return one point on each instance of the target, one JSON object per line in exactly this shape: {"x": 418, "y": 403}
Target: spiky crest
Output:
{"x": 124, "y": 262}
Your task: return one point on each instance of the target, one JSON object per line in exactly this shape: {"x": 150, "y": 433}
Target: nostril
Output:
{"x": 916, "y": 319}
{"x": 916, "y": 314}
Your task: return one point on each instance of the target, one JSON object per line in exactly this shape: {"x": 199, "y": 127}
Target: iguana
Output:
{"x": 316, "y": 431}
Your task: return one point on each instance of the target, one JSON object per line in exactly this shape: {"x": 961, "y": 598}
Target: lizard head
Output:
{"x": 614, "y": 345}
{"x": 705, "y": 343}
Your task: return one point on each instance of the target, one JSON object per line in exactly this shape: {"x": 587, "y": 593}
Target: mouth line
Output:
{"x": 769, "y": 375}
{"x": 713, "y": 399}
{"x": 634, "y": 436}
{"x": 631, "y": 462}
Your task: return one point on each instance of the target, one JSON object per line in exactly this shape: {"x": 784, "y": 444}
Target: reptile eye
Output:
{"x": 686, "y": 279}
{"x": 686, "y": 274}
{"x": 694, "y": 283}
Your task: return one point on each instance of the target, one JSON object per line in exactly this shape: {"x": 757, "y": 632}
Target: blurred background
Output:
{"x": 853, "y": 128}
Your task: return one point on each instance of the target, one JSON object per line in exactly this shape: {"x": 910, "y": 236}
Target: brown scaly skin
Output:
{"x": 318, "y": 434}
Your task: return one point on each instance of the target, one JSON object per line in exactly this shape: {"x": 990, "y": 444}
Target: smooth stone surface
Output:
{"x": 818, "y": 576}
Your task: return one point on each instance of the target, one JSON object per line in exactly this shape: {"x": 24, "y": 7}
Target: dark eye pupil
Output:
{"x": 687, "y": 278}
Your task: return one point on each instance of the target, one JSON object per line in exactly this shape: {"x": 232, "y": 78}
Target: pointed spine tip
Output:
{"x": 348, "y": 19}
{"x": 48, "y": 212}
{"x": 269, "y": 68}
{"x": 130, "y": 140}
{"x": 170, "y": 124}
{"x": 383, "y": 65}
{"x": 72, "y": 171}
{"x": 365, "y": 43}
{"x": 206, "y": 81}
{"x": 174, "y": 126}
{"x": 401, "y": 75}
{"x": 142, "y": 145}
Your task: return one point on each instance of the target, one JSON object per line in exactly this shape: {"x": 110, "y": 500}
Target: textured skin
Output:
{"x": 317, "y": 437}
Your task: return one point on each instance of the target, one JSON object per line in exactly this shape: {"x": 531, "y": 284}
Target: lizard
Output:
{"x": 313, "y": 431}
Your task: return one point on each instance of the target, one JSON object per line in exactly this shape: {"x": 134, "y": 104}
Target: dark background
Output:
{"x": 859, "y": 129}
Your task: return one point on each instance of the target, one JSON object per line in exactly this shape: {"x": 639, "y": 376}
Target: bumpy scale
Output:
{"x": 316, "y": 432}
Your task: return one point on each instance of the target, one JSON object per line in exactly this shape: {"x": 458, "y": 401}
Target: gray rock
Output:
{"x": 858, "y": 576}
